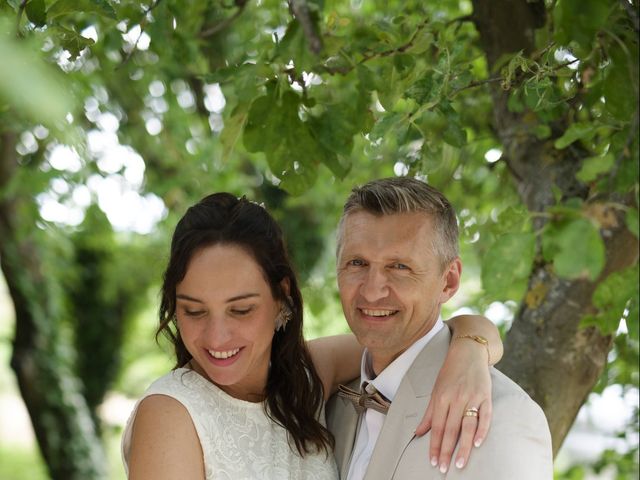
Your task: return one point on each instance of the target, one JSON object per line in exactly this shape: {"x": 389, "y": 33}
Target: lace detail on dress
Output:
{"x": 238, "y": 440}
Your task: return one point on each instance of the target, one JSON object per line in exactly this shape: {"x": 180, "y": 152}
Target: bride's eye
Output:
{"x": 241, "y": 311}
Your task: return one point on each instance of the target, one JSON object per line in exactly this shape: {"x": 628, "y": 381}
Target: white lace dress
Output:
{"x": 238, "y": 440}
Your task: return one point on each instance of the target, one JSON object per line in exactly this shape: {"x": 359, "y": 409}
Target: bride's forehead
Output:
{"x": 225, "y": 264}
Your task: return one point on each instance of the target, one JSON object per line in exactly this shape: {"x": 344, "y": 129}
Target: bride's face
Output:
{"x": 226, "y": 317}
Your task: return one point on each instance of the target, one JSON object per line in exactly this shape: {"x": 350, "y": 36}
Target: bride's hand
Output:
{"x": 463, "y": 383}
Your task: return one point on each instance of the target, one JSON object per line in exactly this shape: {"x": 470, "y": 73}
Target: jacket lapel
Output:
{"x": 347, "y": 420}
{"x": 407, "y": 409}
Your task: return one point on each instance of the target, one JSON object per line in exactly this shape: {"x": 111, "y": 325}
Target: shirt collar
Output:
{"x": 388, "y": 381}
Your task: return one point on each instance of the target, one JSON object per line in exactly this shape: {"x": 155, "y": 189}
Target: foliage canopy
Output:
{"x": 525, "y": 113}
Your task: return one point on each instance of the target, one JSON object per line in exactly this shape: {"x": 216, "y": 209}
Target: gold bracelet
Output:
{"x": 477, "y": 338}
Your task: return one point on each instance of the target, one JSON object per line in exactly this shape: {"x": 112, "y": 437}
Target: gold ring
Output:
{"x": 471, "y": 412}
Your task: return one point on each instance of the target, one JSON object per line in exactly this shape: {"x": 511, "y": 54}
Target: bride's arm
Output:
{"x": 336, "y": 359}
{"x": 164, "y": 443}
{"x": 463, "y": 382}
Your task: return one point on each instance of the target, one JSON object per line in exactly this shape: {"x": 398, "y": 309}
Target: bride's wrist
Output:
{"x": 478, "y": 340}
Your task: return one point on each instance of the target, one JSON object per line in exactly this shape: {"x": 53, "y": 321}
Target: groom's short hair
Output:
{"x": 389, "y": 196}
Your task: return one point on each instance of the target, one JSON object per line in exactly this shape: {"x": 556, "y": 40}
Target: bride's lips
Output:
{"x": 223, "y": 358}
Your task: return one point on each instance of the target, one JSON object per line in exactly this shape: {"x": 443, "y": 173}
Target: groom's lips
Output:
{"x": 377, "y": 314}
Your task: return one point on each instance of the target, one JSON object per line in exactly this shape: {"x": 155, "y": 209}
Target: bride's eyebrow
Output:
{"x": 187, "y": 297}
{"x": 244, "y": 296}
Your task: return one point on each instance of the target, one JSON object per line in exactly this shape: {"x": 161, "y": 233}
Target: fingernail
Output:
{"x": 443, "y": 468}
{"x": 460, "y": 463}
{"x": 434, "y": 461}
{"x": 478, "y": 442}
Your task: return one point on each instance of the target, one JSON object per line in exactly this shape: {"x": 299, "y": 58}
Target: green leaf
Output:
{"x": 68, "y": 7}
{"x": 296, "y": 182}
{"x": 579, "y": 250}
{"x": 507, "y": 264}
{"x": 579, "y": 21}
{"x": 232, "y": 130}
{"x": 427, "y": 91}
{"x": 404, "y": 64}
{"x": 72, "y": 41}
{"x": 261, "y": 132}
{"x": 433, "y": 123}
{"x": 366, "y": 78}
{"x": 385, "y": 124}
{"x": 538, "y": 95}
{"x": 633, "y": 318}
{"x": 577, "y": 131}
{"x": 592, "y": 167}
{"x": 542, "y": 131}
{"x": 455, "y": 135}
{"x": 513, "y": 219}
{"x": 294, "y": 46}
{"x": 36, "y": 12}
{"x": 29, "y": 85}
{"x": 631, "y": 219}
{"x": 617, "y": 293}
{"x": 616, "y": 83}
{"x": 515, "y": 103}
{"x": 422, "y": 90}
{"x": 293, "y": 154}
{"x": 339, "y": 122}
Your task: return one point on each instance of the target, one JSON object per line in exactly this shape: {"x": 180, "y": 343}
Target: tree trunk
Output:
{"x": 61, "y": 420}
{"x": 546, "y": 351}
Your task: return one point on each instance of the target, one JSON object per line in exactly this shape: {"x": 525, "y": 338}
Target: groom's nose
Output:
{"x": 375, "y": 284}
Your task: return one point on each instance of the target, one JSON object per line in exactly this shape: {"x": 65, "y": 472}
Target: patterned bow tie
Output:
{"x": 363, "y": 399}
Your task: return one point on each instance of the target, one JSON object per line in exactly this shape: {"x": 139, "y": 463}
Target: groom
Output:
{"x": 397, "y": 262}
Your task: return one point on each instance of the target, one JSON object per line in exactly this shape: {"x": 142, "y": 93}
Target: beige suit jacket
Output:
{"x": 518, "y": 445}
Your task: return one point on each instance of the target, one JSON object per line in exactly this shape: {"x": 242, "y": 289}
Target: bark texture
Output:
{"x": 546, "y": 351}
{"x": 61, "y": 420}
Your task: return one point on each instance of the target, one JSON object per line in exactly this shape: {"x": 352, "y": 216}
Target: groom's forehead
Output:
{"x": 398, "y": 236}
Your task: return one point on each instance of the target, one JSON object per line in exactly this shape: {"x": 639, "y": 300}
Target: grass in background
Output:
{"x": 21, "y": 463}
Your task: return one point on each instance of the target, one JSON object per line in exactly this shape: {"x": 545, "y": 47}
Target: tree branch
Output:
{"x": 632, "y": 12}
{"x": 499, "y": 78}
{"x": 21, "y": 8}
{"x": 218, "y": 27}
{"x": 301, "y": 12}
{"x": 400, "y": 49}
{"x": 633, "y": 129}
{"x": 464, "y": 18}
{"x": 143, "y": 23}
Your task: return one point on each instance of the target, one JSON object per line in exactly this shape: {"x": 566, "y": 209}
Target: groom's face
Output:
{"x": 391, "y": 281}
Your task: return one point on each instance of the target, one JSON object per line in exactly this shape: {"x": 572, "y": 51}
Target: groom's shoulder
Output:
{"x": 518, "y": 441}
{"x": 516, "y": 415}
{"x": 506, "y": 390}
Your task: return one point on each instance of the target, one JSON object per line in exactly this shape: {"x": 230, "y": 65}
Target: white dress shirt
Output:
{"x": 387, "y": 383}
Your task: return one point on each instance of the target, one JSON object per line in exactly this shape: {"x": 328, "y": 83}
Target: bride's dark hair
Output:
{"x": 293, "y": 395}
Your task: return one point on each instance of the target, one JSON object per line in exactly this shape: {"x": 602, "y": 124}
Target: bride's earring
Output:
{"x": 284, "y": 315}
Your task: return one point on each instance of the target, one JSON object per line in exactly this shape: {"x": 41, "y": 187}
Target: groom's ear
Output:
{"x": 451, "y": 280}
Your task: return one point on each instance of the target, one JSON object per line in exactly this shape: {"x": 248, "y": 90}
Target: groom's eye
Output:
{"x": 356, "y": 262}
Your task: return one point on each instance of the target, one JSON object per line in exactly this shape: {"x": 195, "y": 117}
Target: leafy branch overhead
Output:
{"x": 524, "y": 112}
